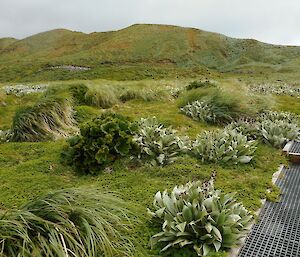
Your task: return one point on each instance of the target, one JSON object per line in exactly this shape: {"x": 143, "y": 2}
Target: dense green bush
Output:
{"x": 158, "y": 144}
{"x": 223, "y": 146}
{"x": 199, "y": 218}
{"x": 51, "y": 118}
{"x": 101, "y": 142}
{"x": 72, "y": 222}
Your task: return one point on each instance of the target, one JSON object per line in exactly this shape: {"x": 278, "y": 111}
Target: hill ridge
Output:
{"x": 143, "y": 50}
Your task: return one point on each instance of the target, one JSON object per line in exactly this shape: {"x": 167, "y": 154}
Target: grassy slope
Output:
{"x": 140, "y": 51}
{"x": 30, "y": 169}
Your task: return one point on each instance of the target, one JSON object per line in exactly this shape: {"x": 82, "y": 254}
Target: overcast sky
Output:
{"x": 272, "y": 21}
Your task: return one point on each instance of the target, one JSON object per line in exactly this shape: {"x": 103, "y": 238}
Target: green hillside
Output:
{"x": 139, "y": 51}
{"x": 5, "y": 42}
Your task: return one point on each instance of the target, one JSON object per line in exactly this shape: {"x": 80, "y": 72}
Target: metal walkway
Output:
{"x": 278, "y": 232}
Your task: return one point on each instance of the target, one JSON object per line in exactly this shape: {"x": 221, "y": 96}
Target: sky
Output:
{"x": 270, "y": 21}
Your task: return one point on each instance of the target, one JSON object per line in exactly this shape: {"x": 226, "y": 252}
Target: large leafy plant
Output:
{"x": 5, "y": 136}
{"x": 278, "y": 133}
{"x": 224, "y": 146}
{"x": 247, "y": 127}
{"x": 200, "y": 110}
{"x": 273, "y": 128}
{"x": 287, "y": 117}
{"x": 198, "y": 217}
{"x": 101, "y": 142}
{"x": 73, "y": 222}
{"x": 159, "y": 144}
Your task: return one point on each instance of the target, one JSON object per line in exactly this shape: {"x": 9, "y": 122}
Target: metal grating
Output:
{"x": 295, "y": 148}
{"x": 278, "y": 232}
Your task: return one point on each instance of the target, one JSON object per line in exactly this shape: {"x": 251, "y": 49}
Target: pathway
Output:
{"x": 278, "y": 232}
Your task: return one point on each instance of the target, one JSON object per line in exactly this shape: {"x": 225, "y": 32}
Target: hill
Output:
{"x": 139, "y": 51}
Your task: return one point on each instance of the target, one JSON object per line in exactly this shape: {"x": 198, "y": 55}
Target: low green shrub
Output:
{"x": 72, "y": 222}
{"x": 198, "y": 218}
{"x": 51, "y": 118}
{"x": 223, "y": 146}
{"x": 158, "y": 144}
{"x": 102, "y": 141}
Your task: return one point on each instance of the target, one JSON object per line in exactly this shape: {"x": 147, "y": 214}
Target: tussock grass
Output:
{"x": 51, "y": 118}
{"x": 104, "y": 96}
{"x": 72, "y": 222}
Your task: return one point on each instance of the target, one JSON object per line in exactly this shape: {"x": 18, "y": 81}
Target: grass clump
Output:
{"x": 71, "y": 222}
{"x": 51, "y": 118}
{"x": 101, "y": 141}
{"x": 143, "y": 94}
{"x": 198, "y": 218}
{"x": 104, "y": 96}
{"x": 158, "y": 144}
{"x": 223, "y": 146}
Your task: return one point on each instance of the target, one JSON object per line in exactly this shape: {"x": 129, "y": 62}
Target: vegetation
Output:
{"x": 77, "y": 222}
{"x": 211, "y": 105}
{"x": 30, "y": 169}
{"x": 101, "y": 141}
{"x": 198, "y": 84}
{"x": 224, "y": 146}
{"x": 274, "y": 128}
{"x": 49, "y": 119}
{"x": 198, "y": 217}
{"x": 160, "y": 145}
{"x": 132, "y": 54}
{"x": 278, "y": 133}
{"x": 275, "y": 88}
{"x": 104, "y": 97}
